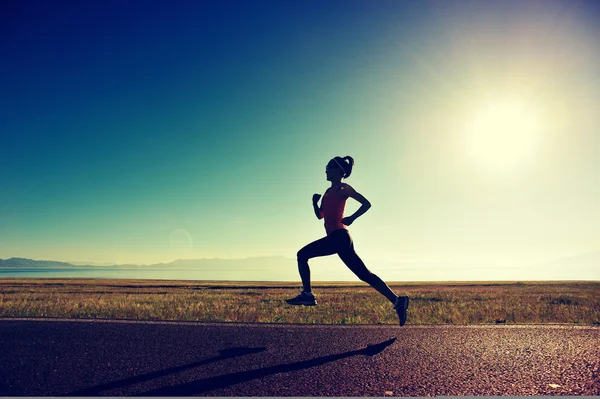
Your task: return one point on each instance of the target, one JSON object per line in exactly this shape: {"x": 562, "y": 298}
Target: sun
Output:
{"x": 502, "y": 136}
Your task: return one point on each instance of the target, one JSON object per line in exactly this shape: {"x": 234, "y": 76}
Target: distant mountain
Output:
{"x": 261, "y": 268}
{"x": 256, "y": 263}
{"x": 92, "y": 263}
{"x": 22, "y": 262}
{"x": 258, "y": 268}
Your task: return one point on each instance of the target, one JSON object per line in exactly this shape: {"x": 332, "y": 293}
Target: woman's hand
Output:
{"x": 365, "y": 205}
{"x": 347, "y": 221}
{"x": 316, "y": 198}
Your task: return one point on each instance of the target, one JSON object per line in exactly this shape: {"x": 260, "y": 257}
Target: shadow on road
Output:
{"x": 223, "y": 354}
{"x": 222, "y": 381}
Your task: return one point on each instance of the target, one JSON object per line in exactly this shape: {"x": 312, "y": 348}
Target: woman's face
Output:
{"x": 333, "y": 171}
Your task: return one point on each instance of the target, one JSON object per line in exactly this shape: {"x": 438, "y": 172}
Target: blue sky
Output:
{"x": 146, "y": 132}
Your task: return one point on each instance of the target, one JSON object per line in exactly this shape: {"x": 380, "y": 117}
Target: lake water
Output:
{"x": 137, "y": 273}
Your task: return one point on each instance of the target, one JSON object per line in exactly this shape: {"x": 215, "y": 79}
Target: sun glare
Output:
{"x": 502, "y": 136}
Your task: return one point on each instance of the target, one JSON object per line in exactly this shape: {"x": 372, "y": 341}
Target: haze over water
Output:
{"x": 145, "y": 132}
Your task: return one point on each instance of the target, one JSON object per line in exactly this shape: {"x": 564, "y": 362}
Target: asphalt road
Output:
{"x": 90, "y": 358}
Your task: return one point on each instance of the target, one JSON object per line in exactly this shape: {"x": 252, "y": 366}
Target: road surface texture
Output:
{"x": 41, "y": 357}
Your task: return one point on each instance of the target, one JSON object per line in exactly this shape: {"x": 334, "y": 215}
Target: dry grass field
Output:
{"x": 339, "y": 303}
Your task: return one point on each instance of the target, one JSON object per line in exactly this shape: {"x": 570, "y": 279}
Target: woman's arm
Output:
{"x": 349, "y": 192}
{"x": 316, "y": 207}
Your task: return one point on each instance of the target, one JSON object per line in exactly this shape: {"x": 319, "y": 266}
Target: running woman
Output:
{"x": 338, "y": 239}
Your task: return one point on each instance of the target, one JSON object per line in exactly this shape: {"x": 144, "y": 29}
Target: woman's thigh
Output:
{"x": 329, "y": 245}
{"x": 321, "y": 247}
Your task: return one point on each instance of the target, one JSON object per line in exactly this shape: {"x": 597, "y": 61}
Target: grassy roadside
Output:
{"x": 339, "y": 303}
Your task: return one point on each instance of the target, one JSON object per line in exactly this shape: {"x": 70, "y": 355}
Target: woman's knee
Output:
{"x": 302, "y": 255}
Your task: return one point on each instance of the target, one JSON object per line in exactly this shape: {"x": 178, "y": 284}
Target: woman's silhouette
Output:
{"x": 338, "y": 239}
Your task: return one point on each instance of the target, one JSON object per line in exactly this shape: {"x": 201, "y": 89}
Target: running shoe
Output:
{"x": 303, "y": 299}
{"x": 401, "y": 306}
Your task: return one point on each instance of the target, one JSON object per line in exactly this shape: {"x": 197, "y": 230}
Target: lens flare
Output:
{"x": 181, "y": 242}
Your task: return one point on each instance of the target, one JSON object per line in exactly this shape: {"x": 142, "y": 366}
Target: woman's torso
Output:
{"x": 332, "y": 206}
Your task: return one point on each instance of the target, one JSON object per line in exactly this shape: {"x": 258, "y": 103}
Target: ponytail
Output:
{"x": 350, "y": 161}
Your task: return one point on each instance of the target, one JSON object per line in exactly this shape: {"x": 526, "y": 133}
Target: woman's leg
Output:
{"x": 323, "y": 247}
{"x": 354, "y": 263}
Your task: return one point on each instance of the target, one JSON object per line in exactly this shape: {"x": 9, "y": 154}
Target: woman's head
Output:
{"x": 339, "y": 168}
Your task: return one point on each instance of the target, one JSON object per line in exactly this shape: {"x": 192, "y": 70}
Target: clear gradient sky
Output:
{"x": 146, "y": 131}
